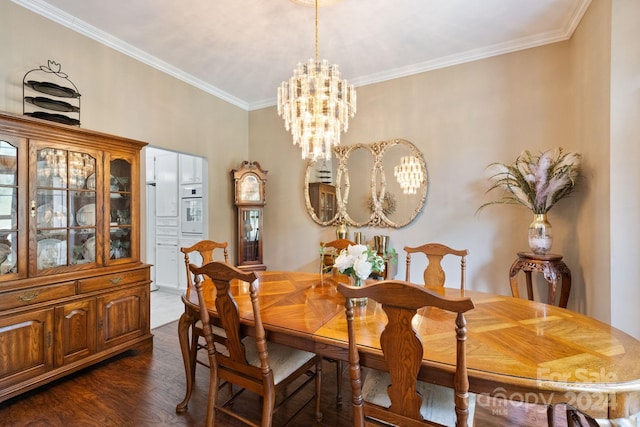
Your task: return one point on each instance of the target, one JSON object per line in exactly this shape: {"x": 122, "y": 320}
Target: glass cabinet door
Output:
{"x": 63, "y": 207}
{"x": 120, "y": 228}
{"x": 250, "y": 225}
{"x": 9, "y": 243}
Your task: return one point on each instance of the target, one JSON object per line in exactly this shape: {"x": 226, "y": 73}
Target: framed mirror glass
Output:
{"x": 399, "y": 206}
{"x": 356, "y": 189}
{"x": 382, "y": 184}
{"x": 320, "y": 191}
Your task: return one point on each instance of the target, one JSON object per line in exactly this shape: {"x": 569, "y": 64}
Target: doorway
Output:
{"x": 174, "y": 181}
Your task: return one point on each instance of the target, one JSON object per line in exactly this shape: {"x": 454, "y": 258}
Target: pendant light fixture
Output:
{"x": 316, "y": 105}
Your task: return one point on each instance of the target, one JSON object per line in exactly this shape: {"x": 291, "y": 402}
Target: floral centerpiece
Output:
{"x": 358, "y": 262}
{"x": 536, "y": 182}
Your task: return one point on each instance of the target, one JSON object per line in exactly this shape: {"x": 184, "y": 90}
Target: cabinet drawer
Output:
{"x": 36, "y": 295}
{"x": 111, "y": 280}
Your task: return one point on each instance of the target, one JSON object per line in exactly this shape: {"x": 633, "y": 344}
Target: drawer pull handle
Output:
{"x": 116, "y": 280}
{"x": 29, "y": 296}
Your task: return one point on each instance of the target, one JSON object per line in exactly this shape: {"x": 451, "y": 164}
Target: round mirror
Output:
{"x": 406, "y": 183}
{"x": 355, "y": 187}
{"x": 383, "y": 184}
{"x": 320, "y": 191}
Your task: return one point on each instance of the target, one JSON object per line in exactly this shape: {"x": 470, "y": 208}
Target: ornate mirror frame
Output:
{"x": 380, "y": 210}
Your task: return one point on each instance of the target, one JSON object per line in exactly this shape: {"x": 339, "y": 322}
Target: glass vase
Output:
{"x": 540, "y": 235}
{"x": 358, "y": 302}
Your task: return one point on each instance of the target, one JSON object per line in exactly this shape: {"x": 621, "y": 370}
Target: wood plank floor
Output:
{"x": 143, "y": 388}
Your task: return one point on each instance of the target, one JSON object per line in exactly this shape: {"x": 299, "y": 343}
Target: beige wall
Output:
{"x": 581, "y": 95}
{"x": 590, "y": 53}
{"x": 124, "y": 97}
{"x": 625, "y": 174}
{"x": 462, "y": 118}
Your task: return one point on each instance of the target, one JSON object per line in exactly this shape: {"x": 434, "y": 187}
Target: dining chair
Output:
{"x": 330, "y": 251}
{"x": 574, "y": 417}
{"x": 434, "y": 274}
{"x": 327, "y": 259}
{"x": 203, "y": 251}
{"x": 249, "y": 362}
{"x": 395, "y": 395}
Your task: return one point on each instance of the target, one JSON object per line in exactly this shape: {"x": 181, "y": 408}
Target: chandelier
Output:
{"x": 316, "y": 105}
{"x": 409, "y": 174}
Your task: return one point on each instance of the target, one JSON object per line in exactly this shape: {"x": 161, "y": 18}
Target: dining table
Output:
{"x": 522, "y": 356}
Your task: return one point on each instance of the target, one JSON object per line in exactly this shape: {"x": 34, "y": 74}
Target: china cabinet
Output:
{"x": 73, "y": 291}
{"x": 323, "y": 200}
{"x": 250, "y": 197}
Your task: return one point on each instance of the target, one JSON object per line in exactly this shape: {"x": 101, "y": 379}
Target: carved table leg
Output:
{"x": 513, "y": 277}
{"x": 553, "y": 286}
{"x": 184, "y": 324}
{"x": 566, "y": 285}
{"x": 550, "y": 272}
{"x": 527, "y": 274}
{"x": 339, "y": 383}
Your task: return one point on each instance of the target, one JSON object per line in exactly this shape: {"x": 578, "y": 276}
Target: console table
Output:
{"x": 551, "y": 266}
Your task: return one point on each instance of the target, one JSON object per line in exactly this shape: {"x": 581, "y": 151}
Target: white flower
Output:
{"x": 362, "y": 267}
{"x": 343, "y": 261}
{"x": 356, "y": 250}
{"x": 359, "y": 261}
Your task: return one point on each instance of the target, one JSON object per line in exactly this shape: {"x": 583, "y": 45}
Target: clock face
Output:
{"x": 249, "y": 189}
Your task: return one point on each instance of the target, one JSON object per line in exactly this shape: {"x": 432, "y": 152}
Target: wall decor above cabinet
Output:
{"x": 365, "y": 191}
{"x": 47, "y": 92}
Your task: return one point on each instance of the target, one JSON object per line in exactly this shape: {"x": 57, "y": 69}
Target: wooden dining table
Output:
{"x": 521, "y": 355}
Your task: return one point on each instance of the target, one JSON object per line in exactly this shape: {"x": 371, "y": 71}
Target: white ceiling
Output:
{"x": 241, "y": 50}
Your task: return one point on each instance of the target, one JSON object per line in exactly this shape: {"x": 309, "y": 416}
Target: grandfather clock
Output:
{"x": 249, "y": 181}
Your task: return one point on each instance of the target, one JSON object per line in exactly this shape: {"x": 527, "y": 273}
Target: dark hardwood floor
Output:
{"x": 142, "y": 388}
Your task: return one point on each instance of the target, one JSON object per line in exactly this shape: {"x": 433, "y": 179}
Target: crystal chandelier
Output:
{"x": 409, "y": 174}
{"x": 316, "y": 105}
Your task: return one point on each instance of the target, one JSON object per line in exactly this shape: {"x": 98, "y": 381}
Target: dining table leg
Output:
{"x": 184, "y": 324}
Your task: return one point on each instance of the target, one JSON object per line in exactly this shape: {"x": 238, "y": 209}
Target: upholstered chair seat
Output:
{"x": 437, "y": 401}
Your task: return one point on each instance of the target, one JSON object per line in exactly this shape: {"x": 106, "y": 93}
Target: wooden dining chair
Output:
{"x": 330, "y": 251}
{"x": 559, "y": 412}
{"x": 434, "y": 274}
{"x": 251, "y": 363}
{"x": 395, "y": 396}
{"x": 205, "y": 252}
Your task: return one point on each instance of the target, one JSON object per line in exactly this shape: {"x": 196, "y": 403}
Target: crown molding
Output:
{"x": 44, "y": 9}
